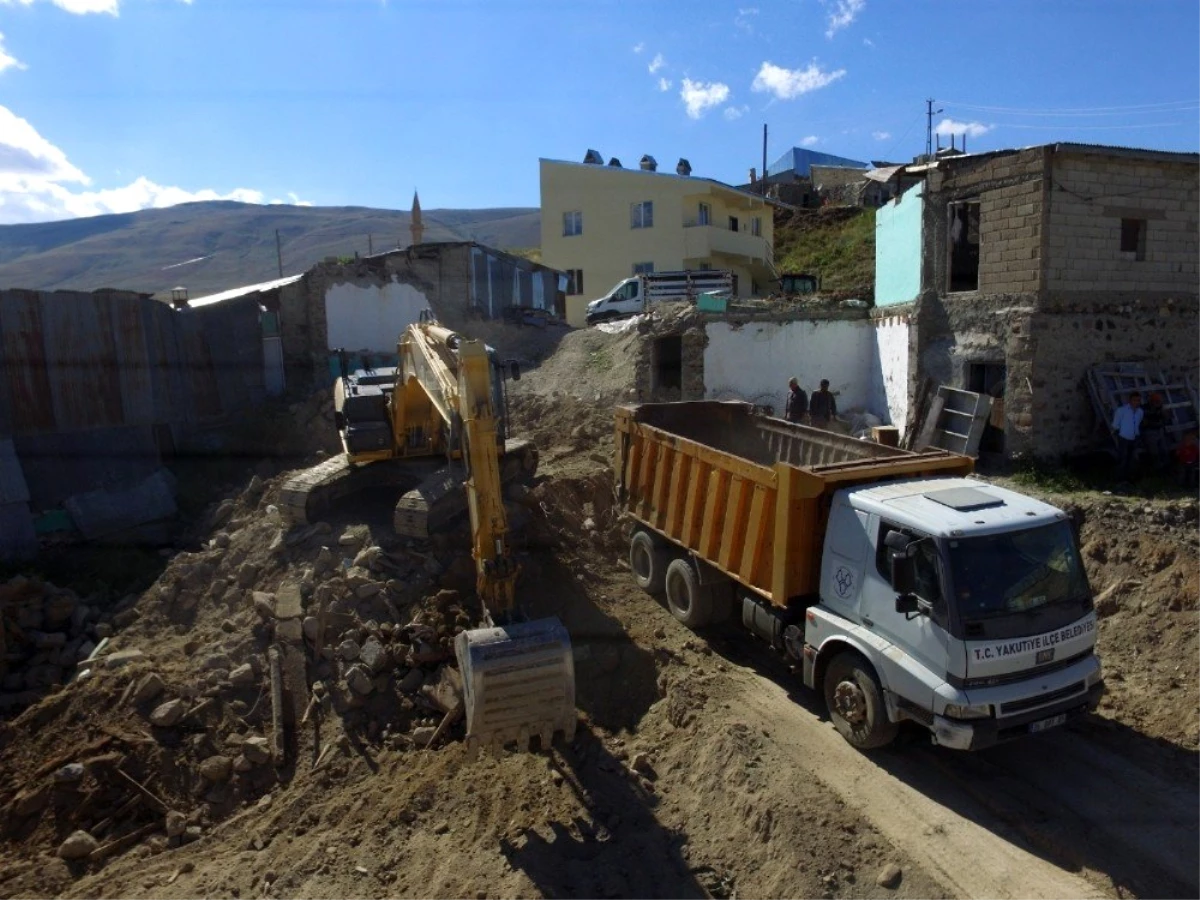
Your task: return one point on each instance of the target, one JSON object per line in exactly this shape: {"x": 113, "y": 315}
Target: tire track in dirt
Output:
{"x": 966, "y": 848}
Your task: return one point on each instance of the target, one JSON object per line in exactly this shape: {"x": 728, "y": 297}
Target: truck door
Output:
{"x": 918, "y": 661}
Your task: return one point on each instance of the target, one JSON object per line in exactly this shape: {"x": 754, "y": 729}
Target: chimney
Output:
{"x": 964, "y": 144}
{"x": 615, "y": 163}
{"x": 753, "y": 175}
{"x": 179, "y": 297}
{"x": 684, "y": 168}
{"x": 594, "y": 158}
{"x": 649, "y": 163}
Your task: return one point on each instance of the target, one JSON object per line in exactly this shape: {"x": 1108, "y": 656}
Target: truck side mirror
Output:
{"x": 907, "y": 604}
{"x": 903, "y": 572}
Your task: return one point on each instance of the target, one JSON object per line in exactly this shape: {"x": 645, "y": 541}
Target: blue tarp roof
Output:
{"x": 800, "y": 161}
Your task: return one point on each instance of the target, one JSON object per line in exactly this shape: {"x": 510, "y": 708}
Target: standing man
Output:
{"x": 796, "y": 408}
{"x": 823, "y": 407}
{"x": 1127, "y": 425}
{"x": 1154, "y": 431}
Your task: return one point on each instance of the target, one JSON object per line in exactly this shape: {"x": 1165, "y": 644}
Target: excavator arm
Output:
{"x": 518, "y": 675}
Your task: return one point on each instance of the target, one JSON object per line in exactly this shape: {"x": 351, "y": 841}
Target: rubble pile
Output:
{"x": 46, "y": 633}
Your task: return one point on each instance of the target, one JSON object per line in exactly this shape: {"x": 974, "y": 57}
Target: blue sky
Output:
{"x": 115, "y": 105}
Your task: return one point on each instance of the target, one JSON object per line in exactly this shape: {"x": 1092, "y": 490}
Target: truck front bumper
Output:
{"x": 979, "y": 734}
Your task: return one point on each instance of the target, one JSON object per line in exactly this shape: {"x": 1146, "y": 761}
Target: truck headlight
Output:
{"x": 967, "y": 711}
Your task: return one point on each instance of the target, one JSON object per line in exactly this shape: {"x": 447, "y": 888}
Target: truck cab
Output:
{"x": 968, "y": 601}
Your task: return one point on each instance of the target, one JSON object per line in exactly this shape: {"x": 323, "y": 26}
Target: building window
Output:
{"x": 733, "y": 223}
{"x": 641, "y": 215}
{"x": 1133, "y": 237}
{"x": 963, "y": 235}
{"x": 756, "y": 226}
{"x": 705, "y": 216}
{"x": 572, "y": 223}
{"x": 574, "y": 281}
{"x": 646, "y": 268}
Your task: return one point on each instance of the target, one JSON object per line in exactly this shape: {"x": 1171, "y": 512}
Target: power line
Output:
{"x": 1093, "y": 127}
{"x": 1166, "y": 106}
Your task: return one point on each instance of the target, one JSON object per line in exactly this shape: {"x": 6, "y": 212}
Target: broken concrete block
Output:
{"x": 368, "y": 590}
{"x": 168, "y": 714}
{"x": 445, "y": 691}
{"x": 264, "y": 603}
{"x": 148, "y": 689}
{"x": 176, "y": 823}
{"x": 257, "y": 749}
{"x": 216, "y": 768}
{"x": 289, "y": 630}
{"x": 423, "y": 735}
{"x": 243, "y": 676}
{"x": 222, "y": 513}
{"x": 288, "y": 602}
{"x": 348, "y": 650}
{"x": 77, "y": 846}
{"x": 374, "y": 655}
{"x": 311, "y": 627}
{"x": 123, "y": 658}
{"x": 359, "y": 681}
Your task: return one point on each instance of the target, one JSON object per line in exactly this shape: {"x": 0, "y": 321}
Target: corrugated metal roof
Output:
{"x": 233, "y": 293}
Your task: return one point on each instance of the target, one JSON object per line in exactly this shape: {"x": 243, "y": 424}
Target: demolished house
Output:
{"x": 1015, "y": 271}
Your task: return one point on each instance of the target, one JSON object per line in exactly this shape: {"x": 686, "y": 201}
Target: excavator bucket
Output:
{"x": 518, "y": 681}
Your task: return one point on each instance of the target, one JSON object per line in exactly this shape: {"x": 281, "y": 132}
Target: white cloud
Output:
{"x": 699, "y": 97}
{"x": 844, "y": 13}
{"x": 8, "y": 61}
{"x": 657, "y": 63}
{"x": 81, "y": 7}
{"x": 786, "y": 84}
{"x": 811, "y": 141}
{"x": 664, "y": 84}
{"x": 639, "y": 47}
{"x": 35, "y": 180}
{"x": 881, "y": 135}
{"x": 971, "y": 129}
{"x": 867, "y": 42}
{"x": 77, "y": 7}
{"x": 745, "y": 19}
{"x": 733, "y": 113}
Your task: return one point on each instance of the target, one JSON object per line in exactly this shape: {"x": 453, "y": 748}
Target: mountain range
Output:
{"x": 213, "y": 246}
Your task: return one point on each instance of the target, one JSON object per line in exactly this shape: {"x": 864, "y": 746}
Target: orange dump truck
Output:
{"x": 905, "y": 589}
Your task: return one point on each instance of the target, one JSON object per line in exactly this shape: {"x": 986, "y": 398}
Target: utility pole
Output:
{"x": 370, "y": 245}
{"x": 930, "y": 112}
{"x": 763, "y": 180}
{"x": 279, "y": 252}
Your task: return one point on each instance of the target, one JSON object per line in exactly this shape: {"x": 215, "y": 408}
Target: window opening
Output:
{"x": 964, "y": 246}
{"x": 572, "y": 223}
{"x": 668, "y": 362}
{"x": 641, "y": 215}
{"x": 1133, "y": 237}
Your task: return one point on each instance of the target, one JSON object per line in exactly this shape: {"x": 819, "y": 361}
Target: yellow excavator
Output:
{"x": 437, "y": 419}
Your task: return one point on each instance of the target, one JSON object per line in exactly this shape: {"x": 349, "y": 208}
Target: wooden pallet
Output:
{"x": 955, "y": 421}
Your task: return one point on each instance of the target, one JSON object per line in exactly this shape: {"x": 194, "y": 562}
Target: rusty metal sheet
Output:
{"x": 133, "y": 369}
{"x": 23, "y": 363}
{"x": 80, "y": 361}
{"x": 196, "y": 367}
{"x": 233, "y": 332}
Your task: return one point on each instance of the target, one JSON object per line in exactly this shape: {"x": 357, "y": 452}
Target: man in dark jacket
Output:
{"x": 796, "y": 408}
{"x": 823, "y": 407}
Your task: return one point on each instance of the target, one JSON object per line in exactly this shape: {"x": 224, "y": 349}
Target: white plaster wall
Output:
{"x": 371, "y": 317}
{"x": 754, "y": 361}
{"x": 889, "y": 376}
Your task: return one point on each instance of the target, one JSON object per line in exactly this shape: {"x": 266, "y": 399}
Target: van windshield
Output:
{"x": 1016, "y": 572}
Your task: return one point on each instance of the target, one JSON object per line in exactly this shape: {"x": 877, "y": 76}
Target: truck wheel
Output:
{"x": 855, "y": 702}
{"x": 688, "y": 601}
{"x": 648, "y": 559}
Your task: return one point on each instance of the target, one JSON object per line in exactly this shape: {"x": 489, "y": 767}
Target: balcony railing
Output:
{"x": 701, "y": 240}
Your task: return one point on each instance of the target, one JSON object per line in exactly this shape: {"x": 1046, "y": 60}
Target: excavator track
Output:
{"x": 437, "y": 498}
{"x": 440, "y": 497}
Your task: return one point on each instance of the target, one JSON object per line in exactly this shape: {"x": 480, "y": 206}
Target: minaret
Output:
{"x": 417, "y": 228}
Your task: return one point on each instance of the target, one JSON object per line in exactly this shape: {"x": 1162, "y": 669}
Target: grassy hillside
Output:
{"x": 836, "y": 243}
{"x": 218, "y": 245}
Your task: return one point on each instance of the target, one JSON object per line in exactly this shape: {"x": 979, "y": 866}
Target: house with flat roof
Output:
{"x": 603, "y": 223}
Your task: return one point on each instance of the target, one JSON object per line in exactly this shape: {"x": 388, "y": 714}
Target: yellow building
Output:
{"x": 604, "y": 223}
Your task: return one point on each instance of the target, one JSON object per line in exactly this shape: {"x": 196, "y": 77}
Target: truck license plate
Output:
{"x": 1047, "y": 723}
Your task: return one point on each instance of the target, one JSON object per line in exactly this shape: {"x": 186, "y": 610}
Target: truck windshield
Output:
{"x": 1016, "y": 571}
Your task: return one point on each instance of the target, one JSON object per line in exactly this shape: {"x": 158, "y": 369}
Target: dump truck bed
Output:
{"x": 748, "y": 493}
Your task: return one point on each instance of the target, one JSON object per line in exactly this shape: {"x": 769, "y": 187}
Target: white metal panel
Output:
{"x": 370, "y": 317}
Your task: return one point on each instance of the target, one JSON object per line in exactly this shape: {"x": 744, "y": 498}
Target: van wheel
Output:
{"x": 648, "y": 559}
{"x": 689, "y": 603}
{"x": 855, "y": 702}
